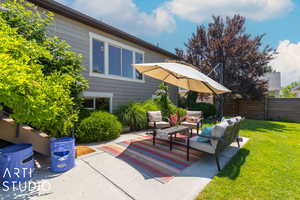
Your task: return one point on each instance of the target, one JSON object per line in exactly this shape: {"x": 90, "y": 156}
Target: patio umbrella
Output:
{"x": 183, "y": 76}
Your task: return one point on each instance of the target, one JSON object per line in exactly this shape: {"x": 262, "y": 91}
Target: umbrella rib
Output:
{"x": 166, "y": 77}
{"x": 189, "y": 85}
{"x": 209, "y": 87}
{"x": 149, "y": 70}
{"x": 170, "y": 72}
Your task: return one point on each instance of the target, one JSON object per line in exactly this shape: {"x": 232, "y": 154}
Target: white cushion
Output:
{"x": 203, "y": 146}
{"x": 197, "y": 114}
{"x": 154, "y": 116}
{"x": 232, "y": 120}
{"x": 239, "y": 118}
{"x": 189, "y": 124}
{"x": 161, "y": 124}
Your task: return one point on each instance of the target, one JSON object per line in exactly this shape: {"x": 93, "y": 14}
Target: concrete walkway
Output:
{"x": 101, "y": 176}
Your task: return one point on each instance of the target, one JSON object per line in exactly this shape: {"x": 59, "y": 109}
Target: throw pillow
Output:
{"x": 206, "y": 132}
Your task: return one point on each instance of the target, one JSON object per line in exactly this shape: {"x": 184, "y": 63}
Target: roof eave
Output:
{"x": 68, "y": 12}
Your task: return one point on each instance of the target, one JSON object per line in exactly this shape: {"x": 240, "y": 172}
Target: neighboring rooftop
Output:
{"x": 85, "y": 19}
{"x": 297, "y": 88}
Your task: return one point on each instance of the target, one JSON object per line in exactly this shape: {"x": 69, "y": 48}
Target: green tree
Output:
{"x": 40, "y": 76}
{"x": 32, "y": 24}
{"x": 287, "y": 92}
{"x": 41, "y": 101}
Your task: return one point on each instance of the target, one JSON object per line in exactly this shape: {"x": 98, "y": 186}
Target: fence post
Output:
{"x": 266, "y": 109}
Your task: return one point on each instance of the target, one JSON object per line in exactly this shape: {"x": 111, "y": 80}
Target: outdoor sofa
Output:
{"x": 222, "y": 135}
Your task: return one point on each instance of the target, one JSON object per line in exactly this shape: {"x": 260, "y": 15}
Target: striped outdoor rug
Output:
{"x": 156, "y": 161}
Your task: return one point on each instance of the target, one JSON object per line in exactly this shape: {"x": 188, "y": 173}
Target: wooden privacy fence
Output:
{"x": 279, "y": 109}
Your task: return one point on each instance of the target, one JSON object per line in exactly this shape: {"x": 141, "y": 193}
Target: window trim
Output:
{"x": 94, "y": 95}
{"x": 108, "y": 42}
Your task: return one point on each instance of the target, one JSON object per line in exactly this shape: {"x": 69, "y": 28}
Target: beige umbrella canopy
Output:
{"x": 182, "y": 76}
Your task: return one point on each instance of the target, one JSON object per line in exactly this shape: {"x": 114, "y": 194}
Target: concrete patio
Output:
{"x": 101, "y": 176}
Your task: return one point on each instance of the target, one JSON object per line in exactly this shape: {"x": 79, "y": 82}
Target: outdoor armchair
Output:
{"x": 193, "y": 119}
{"x": 155, "y": 120}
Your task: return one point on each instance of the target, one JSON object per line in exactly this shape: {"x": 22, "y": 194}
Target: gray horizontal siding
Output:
{"x": 77, "y": 35}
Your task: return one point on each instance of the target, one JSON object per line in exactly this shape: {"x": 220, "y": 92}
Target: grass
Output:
{"x": 267, "y": 167}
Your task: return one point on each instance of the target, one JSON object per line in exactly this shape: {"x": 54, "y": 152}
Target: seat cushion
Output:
{"x": 202, "y": 146}
{"x": 189, "y": 124}
{"x": 192, "y": 119}
{"x": 154, "y": 116}
{"x": 160, "y": 124}
{"x": 197, "y": 114}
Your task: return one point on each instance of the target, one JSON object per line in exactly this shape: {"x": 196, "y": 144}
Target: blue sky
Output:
{"x": 170, "y": 23}
{"x": 284, "y": 27}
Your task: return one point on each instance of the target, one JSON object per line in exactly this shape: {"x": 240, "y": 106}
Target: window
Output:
{"x": 127, "y": 60}
{"x": 112, "y": 59}
{"x": 138, "y": 59}
{"x": 98, "y": 101}
{"x": 89, "y": 103}
{"x": 115, "y": 60}
{"x": 95, "y": 103}
{"x": 98, "y": 56}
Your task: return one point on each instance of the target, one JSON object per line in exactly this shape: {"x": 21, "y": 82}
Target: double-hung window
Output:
{"x": 112, "y": 59}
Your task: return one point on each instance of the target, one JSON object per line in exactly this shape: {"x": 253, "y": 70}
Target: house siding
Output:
{"x": 77, "y": 35}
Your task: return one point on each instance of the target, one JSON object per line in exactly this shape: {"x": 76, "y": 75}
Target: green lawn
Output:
{"x": 267, "y": 167}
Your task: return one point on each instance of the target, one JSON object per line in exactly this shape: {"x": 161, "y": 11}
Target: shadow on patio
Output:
{"x": 162, "y": 164}
{"x": 32, "y": 188}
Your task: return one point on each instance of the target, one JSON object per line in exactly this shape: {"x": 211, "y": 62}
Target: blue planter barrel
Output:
{"x": 16, "y": 164}
{"x": 62, "y": 154}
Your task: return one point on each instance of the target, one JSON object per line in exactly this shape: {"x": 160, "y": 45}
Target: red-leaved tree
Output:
{"x": 225, "y": 44}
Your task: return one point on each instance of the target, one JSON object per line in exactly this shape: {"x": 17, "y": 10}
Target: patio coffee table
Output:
{"x": 170, "y": 132}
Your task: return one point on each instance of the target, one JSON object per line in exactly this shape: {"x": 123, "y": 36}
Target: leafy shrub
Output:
{"x": 207, "y": 109}
{"x": 84, "y": 113}
{"x": 149, "y": 105}
{"x": 134, "y": 114}
{"x": 100, "y": 126}
{"x": 40, "y": 75}
{"x": 44, "y": 102}
{"x": 174, "y": 110}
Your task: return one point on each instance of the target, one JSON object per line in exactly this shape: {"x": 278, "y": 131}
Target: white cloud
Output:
{"x": 288, "y": 61}
{"x": 202, "y": 10}
{"x": 125, "y": 15}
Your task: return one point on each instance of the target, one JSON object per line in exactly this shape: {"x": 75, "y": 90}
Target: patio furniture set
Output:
{"x": 221, "y": 135}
